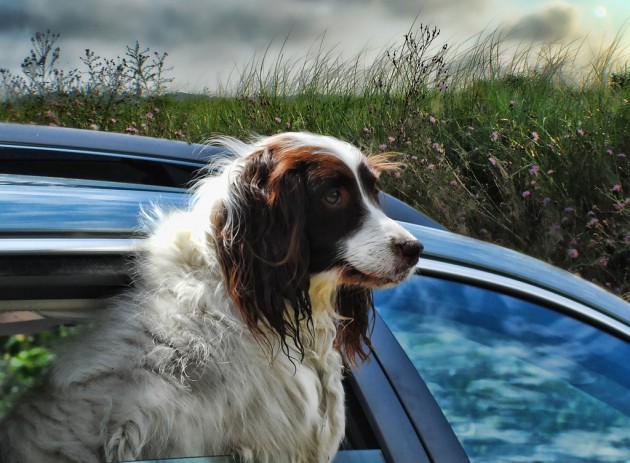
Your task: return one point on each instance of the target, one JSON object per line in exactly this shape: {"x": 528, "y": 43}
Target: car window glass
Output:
{"x": 517, "y": 381}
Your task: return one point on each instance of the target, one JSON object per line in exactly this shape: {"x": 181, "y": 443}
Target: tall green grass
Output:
{"x": 518, "y": 144}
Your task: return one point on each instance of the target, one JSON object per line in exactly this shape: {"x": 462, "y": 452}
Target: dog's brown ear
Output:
{"x": 263, "y": 251}
{"x": 355, "y": 304}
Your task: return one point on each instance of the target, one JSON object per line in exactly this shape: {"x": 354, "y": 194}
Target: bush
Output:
{"x": 517, "y": 146}
{"x": 24, "y": 363}
{"x": 118, "y": 94}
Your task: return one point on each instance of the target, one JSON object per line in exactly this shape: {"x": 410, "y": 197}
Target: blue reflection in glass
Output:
{"x": 518, "y": 382}
{"x": 64, "y": 206}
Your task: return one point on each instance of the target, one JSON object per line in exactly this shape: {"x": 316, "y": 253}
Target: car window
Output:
{"x": 517, "y": 381}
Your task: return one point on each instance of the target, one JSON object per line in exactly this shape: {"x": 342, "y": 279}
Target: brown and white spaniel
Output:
{"x": 231, "y": 340}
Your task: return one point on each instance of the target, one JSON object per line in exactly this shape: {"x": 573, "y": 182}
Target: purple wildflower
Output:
{"x": 535, "y": 136}
{"x": 616, "y": 187}
{"x": 494, "y": 135}
{"x": 526, "y": 194}
{"x": 573, "y": 253}
{"x": 580, "y": 132}
{"x": 591, "y": 223}
{"x": 534, "y": 170}
{"x": 492, "y": 160}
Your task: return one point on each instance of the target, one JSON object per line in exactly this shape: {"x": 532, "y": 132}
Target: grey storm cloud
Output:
{"x": 165, "y": 22}
{"x": 552, "y": 24}
{"x": 208, "y": 40}
{"x": 11, "y": 18}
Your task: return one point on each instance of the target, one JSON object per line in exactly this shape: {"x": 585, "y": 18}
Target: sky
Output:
{"x": 210, "y": 41}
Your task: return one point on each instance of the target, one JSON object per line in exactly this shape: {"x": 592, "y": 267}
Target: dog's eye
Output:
{"x": 333, "y": 197}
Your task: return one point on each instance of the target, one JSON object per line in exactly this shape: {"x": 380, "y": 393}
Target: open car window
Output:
{"x": 517, "y": 381}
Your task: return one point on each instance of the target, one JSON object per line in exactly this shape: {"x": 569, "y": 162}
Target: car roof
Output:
{"x": 95, "y": 141}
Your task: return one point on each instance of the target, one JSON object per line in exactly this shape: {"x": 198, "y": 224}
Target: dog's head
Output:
{"x": 301, "y": 206}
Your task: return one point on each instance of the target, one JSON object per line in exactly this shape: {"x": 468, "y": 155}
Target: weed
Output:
{"x": 109, "y": 94}
{"x": 518, "y": 145}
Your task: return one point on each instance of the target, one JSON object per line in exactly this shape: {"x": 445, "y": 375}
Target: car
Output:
{"x": 483, "y": 355}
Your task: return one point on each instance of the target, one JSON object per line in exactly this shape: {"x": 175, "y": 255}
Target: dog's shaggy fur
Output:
{"x": 231, "y": 340}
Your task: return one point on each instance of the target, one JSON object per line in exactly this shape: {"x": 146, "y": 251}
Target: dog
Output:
{"x": 232, "y": 339}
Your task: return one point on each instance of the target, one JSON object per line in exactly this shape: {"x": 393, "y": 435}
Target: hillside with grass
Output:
{"x": 520, "y": 146}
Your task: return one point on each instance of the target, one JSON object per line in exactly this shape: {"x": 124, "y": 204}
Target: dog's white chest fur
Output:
{"x": 260, "y": 409}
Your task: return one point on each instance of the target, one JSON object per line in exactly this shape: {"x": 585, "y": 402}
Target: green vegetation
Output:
{"x": 520, "y": 146}
{"x": 24, "y": 362}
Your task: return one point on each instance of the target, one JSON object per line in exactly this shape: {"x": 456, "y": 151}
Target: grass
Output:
{"x": 519, "y": 145}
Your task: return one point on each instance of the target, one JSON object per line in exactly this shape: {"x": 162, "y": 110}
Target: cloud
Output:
{"x": 208, "y": 39}
{"x": 12, "y": 18}
{"x": 555, "y": 23}
{"x": 202, "y": 37}
{"x": 166, "y": 22}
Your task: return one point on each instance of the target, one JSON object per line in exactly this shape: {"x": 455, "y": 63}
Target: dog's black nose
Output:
{"x": 409, "y": 250}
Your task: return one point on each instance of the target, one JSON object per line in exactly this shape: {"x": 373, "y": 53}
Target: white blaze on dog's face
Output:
{"x": 349, "y": 234}
{"x": 380, "y": 253}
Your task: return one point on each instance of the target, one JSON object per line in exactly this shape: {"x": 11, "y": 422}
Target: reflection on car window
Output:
{"x": 518, "y": 382}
